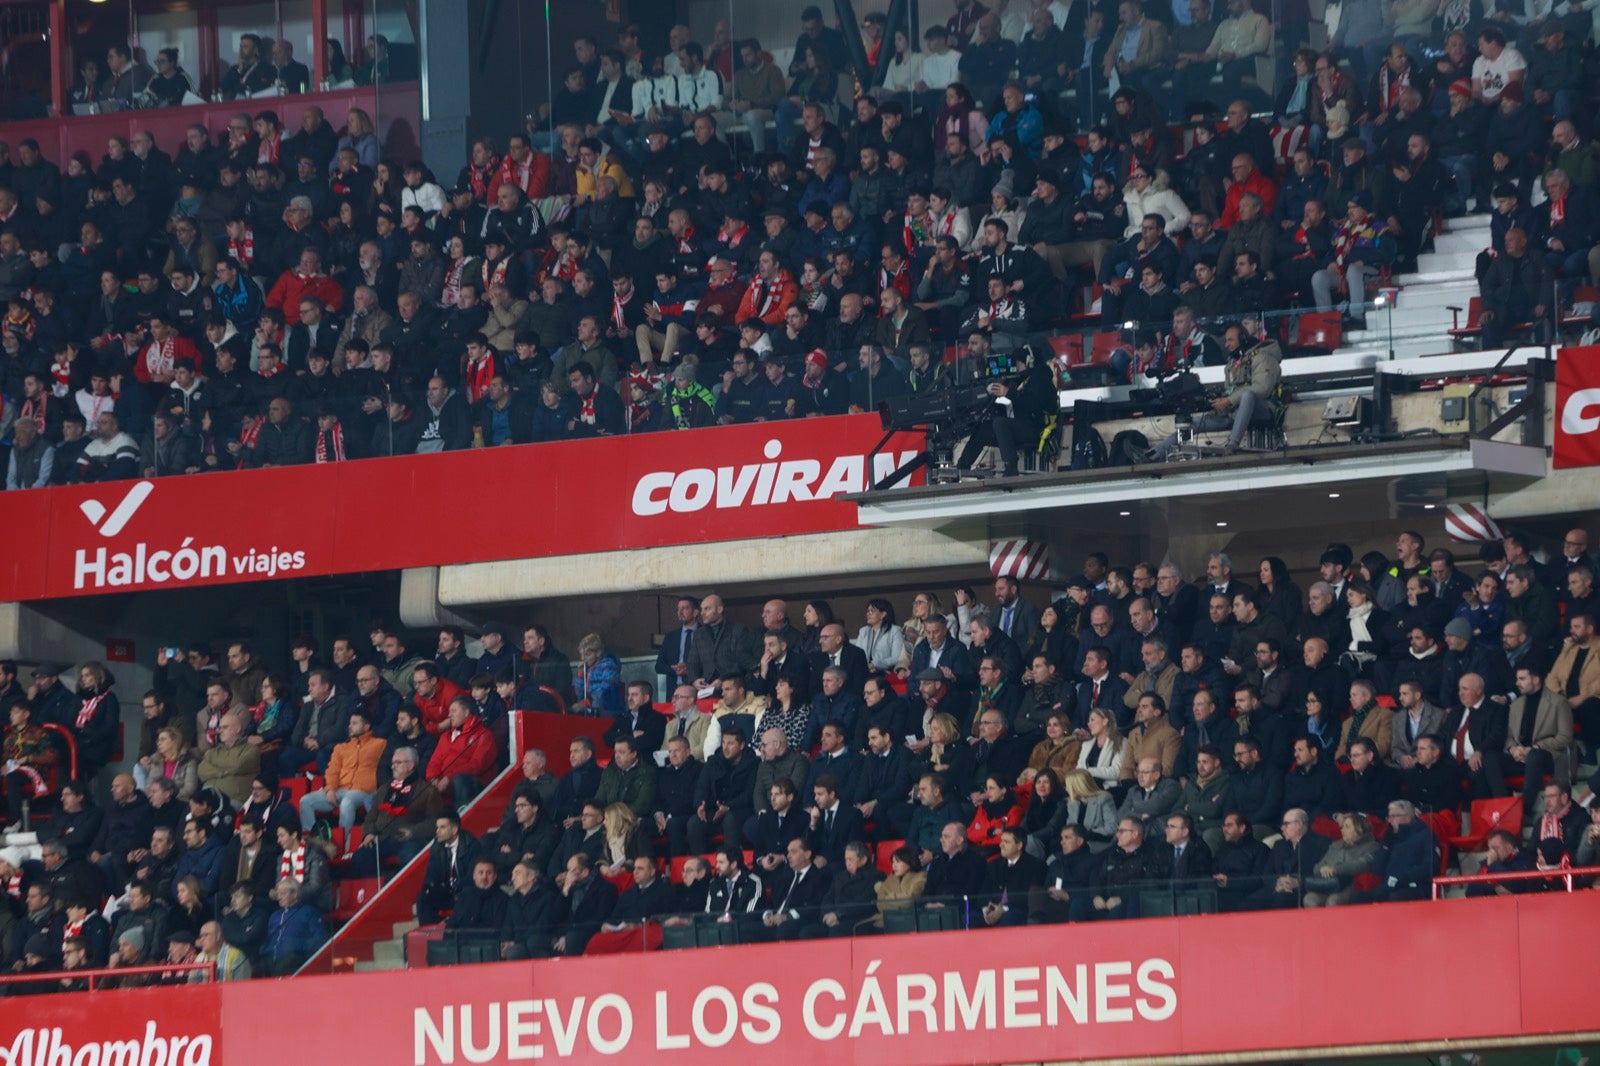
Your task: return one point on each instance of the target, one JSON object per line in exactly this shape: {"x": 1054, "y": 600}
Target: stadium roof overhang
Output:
{"x": 1421, "y": 473}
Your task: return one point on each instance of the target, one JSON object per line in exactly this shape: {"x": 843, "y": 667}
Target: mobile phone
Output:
{"x": 172, "y": 652}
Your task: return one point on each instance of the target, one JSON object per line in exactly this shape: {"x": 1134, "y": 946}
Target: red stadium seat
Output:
{"x": 1069, "y": 345}
{"x": 1103, "y": 344}
{"x": 623, "y": 881}
{"x": 1319, "y": 331}
{"x": 886, "y": 850}
{"x": 1485, "y": 816}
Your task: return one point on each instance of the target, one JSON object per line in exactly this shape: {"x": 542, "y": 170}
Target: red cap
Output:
{"x": 818, "y": 358}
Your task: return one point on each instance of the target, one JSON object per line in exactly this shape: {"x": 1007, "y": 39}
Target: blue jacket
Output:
{"x": 1411, "y": 859}
{"x": 293, "y": 931}
{"x": 203, "y": 862}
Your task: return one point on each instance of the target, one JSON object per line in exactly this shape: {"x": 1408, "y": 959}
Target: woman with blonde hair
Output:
{"x": 1090, "y": 808}
{"x": 947, "y": 753}
{"x": 175, "y": 760}
{"x": 1101, "y": 754}
{"x": 191, "y": 910}
{"x": 625, "y": 839}
{"x": 1333, "y": 881}
{"x": 924, "y": 605}
{"x": 360, "y": 137}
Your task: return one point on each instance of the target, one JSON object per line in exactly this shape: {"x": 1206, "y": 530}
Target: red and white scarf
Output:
{"x": 686, "y": 243}
{"x": 330, "y": 446}
{"x": 90, "y": 705}
{"x": 293, "y": 864}
{"x": 480, "y": 372}
{"x": 586, "y": 406}
{"x": 767, "y": 293}
{"x": 451, "y": 293}
{"x": 250, "y": 431}
{"x": 14, "y": 886}
{"x": 619, "y": 309}
{"x": 900, "y": 280}
{"x": 244, "y": 249}
{"x": 159, "y": 358}
{"x": 37, "y": 411}
{"x": 1558, "y": 210}
{"x": 38, "y": 789}
{"x": 61, "y": 378}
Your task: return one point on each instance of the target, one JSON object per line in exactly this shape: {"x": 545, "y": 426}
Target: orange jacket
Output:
{"x": 354, "y": 764}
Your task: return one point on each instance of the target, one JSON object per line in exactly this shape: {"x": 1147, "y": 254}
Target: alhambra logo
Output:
{"x": 142, "y": 564}
{"x": 111, "y": 524}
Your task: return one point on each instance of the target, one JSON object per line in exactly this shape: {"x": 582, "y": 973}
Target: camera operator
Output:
{"x": 1253, "y": 396}
{"x": 1021, "y": 412}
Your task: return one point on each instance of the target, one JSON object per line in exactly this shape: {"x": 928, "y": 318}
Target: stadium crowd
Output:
{"x": 263, "y": 295}
{"x": 1244, "y": 743}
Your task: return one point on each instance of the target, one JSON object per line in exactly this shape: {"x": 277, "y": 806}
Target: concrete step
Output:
{"x": 1439, "y": 275}
{"x": 1473, "y": 241}
{"x": 402, "y": 928}
{"x": 390, "y": 951}
{"x": 1467, "y": 223}
{"x": 378, "y": 967}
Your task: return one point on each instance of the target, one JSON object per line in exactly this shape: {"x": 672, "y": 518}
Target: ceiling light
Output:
{"x": 1333, "y": 495}
{"x": 1221, "y": 525}
{"x": 1124, "y": 514}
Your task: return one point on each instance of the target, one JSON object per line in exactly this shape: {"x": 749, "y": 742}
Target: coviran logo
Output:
{"x": 758, "y": 484}
{"x": 45, "y": 1047}
{"x": 143, "y": 564}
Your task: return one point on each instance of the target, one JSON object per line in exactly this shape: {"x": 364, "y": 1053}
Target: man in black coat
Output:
{"x": 533, "y": 913}
{"x": 1207, "y": 727}
{"x": 997, "y": 754}
{"x": 1257, "y": 790}
{"x": 639, "y": 721}
{"x": 989, "y": 642}
{"x": 721, "y": 647}
{"x": 957, "y": 872}
{"x": 1293, "y": 859}
{"x": 772, "y": 829}
{"x": 834, "y": 759}
{"x": 124, "y": 828}
{"x": 723, "y": 795}
{"x": 1010, "y": 879}
{"x": 1239, "y": 864}
{"x": 1123, "y": 869}
{"x": 1475, "y": 733}
{"x": 1371, "y": 783}
{"x": 834, "y": 650}
{"x": 590, "y": 901}
{"x": 1313, "y": 783}
{"x": 1100, "y": 687}
{"x": 1070, "y": 877}
{"x": 481, "y": 905}
{"x": 451, "y": 858}
{"x": 1434, "y": 782}
{"x": 676, "y": 786}
{"x": 797, "y": 890}
{"x": 852, "y": 895}
{"x": 834, "y": 823}
{"x": 882, "y": 780}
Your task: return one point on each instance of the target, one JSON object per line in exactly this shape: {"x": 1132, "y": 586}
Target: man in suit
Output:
{"x": 640, "y": 721}
{"x": 634, "y": 923}
{"x": 450, "y": 861}
{"x": 316, "y": 329}
{"x": 1208, "y": 727}
{"x": 988, "y": 642}
{"x": 1293, "y": 859}
{"x": 955, "y": 872}
{"x": 1100, "y": 687}
{"x": 1538, "y": 737}
{"x": 835, "y": 650}
{"x": 1186, "y": 857}
{"x": 998, "y": 754}
{"x": 835, "y": 758}
{"x": 834, "y": 823}
{"x": 852, "y": 894}
{"x": 1009, "y": 879}
{"x": 590, "y": 901}
{"x": 883, "y": 780}
{"x": 673, "y": 659}
{"x": 724, "y": 791}
{"x": 940, "y": 650}
{"x": 1239, "y": 863}
{"x": 774, "y": 827}
{"x": 1476, "y": 733}
{"x": 796, "y": 891}
{"x": 1413, "y": 719}
{"x": 1015, "y": 616}
{"x": 1434, "y": 781}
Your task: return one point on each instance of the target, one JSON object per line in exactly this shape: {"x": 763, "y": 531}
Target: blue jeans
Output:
{"x": 1461, "y": 172}
{"x": 348, "y": 800}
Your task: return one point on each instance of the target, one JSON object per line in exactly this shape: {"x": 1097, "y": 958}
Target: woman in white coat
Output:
{"x": 1151, "y": 194}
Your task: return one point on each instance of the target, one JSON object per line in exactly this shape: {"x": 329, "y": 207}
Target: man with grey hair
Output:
{"x": 232, "y": 964}
{"x": 1220, "y": 576}
{"x": 1413, "y": 856}
{"x": 294, "y": 931}
{"x": 1177, "y": 602}
{"x": 1294, "y": 858}
{"x": 231, "y": 764}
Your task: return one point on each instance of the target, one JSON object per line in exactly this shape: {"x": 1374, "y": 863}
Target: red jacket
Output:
{"x": 469, "y": 750}
{"x": 291, "y": 287}
{"x": 1257, "y": 183}
{"x": 436, "y": 711}
{"x": 984, "y": 832}
{"x": 768, "y": 300}
{"x": 533, "y": 185}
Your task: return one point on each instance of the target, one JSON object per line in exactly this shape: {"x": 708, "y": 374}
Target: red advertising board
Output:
{"x": 1577, "y": 418}
{"x": 731, "y": 483}
{"x": 1128, "y": 990}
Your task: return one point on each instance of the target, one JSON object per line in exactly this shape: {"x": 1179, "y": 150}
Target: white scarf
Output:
{"x": 1359, "y": 632}
{"x": 294, "y": 865}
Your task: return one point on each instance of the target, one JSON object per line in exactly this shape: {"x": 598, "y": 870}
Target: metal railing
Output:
{"x": 91, "y": 977}
{"x": 1565, "y": 873}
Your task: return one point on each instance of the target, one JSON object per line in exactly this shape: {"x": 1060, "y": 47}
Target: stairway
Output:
{"x": 1418, "y": 322}
{"x": 389, "y": 954}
